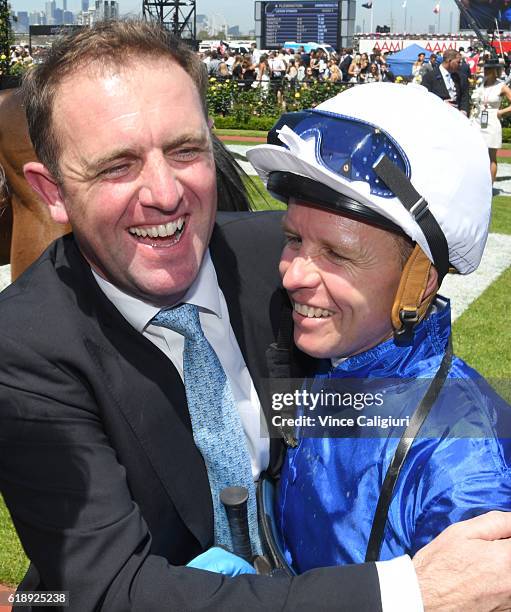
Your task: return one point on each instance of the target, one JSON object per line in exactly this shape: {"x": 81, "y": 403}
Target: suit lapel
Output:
{"x": 255, "y": 305}
{"x": 457, "y": 85}
{"x": 442, "y": 90}
{"x": 147, "y": 390}
{"x": 149, "y": 394}
{"x": 247, "y": 303}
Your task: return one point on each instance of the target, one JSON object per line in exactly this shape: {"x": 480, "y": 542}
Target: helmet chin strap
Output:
{"x": 416, "y": 205}
{"x": 409, "y": 305}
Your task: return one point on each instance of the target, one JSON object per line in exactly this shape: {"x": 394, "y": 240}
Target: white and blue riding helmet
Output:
{"x": 433, "y": 147}
{"x": 395, "y": 156}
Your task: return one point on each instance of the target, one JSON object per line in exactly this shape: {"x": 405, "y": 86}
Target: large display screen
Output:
{"x": 488, "y": 14}
{"x": 301, "y": 22}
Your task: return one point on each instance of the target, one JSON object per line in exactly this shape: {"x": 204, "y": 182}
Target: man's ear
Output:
{"x": 43, "y": 182}
{"x": 432, "y": 286}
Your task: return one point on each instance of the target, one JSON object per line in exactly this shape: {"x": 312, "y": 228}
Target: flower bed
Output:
{"x": 254, "y": 105}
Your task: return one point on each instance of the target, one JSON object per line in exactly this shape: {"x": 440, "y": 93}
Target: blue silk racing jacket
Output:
{"x": 458, "y": 466}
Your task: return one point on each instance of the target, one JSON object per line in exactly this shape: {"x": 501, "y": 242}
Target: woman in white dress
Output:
{"x": 418, "y": 68}
{"x": 263, "y": 75}
{"x": 488, "y": 98}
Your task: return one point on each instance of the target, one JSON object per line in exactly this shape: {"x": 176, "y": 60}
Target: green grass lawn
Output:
{"x": 260, "y": 199}
{"x": 482, "y": 336}
{"x": 501, "y": 215}
{"x": 247, "y": 143}
{"x": 13, "y": 562}
{"x": 504, "y": 160}
{"x": 243, "y": 133}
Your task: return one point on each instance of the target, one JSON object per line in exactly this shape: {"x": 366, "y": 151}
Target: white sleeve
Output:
{"x": 399, "y": 586}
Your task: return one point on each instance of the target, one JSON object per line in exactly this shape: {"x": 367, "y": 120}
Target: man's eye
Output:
{"x": 334, "y": 257}
{"x": 186, "y": 154}
{"x": 292, "y": 241}
{"x": 115, "y": 171}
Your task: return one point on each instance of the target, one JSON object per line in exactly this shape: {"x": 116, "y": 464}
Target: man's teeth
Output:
{"x": 310, "y": 312}
{"x": 162, "y": 231}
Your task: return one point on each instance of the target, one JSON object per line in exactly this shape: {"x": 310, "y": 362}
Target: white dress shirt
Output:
{"x": 398, "y": 581}
{"x": 214, "y": 318}
{"x": 449, "y": 83}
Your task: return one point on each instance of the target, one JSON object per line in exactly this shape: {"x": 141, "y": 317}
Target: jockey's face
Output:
{"x": 138, "y": 176}
{"x": 341, "y": 276}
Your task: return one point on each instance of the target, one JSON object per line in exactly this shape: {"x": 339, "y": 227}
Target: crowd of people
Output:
{"x": 21, "y": 53}
{"x": 449, "y": 76}
{"x": 259, "y": 68}
{"x": 488, "y": 110}
{"x": 346, "y": 66}
{"x": 17, "y": 61}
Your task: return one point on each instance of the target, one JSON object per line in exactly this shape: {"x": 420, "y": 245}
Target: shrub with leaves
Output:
{"x": 245, "y": 101}
{"x": 6, "y": 37}
{"x": 20, "y": 66}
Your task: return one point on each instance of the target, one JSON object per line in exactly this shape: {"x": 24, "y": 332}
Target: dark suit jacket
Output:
{"x": 344, "y": 67}
{"x": 434, "y": 82}
{"x": 98, "y": 467}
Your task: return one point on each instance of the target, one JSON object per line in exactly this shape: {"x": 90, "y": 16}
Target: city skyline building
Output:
{"x": 106, "y": 10}
{"x": 49, "y": 9}
{"x": 56, "y": 15}
{"x": 413, "y": 16}
{"x": 211, "y": 25}
{"x": 23, "y": 19}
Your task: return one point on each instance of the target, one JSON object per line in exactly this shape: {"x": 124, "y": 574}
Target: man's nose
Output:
{"x": 161, "y": 187}
{"x": 300, "y": 273}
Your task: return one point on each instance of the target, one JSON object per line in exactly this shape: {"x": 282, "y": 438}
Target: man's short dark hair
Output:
{"x": 106, "y": 45}
{"x": 450, "y": 54}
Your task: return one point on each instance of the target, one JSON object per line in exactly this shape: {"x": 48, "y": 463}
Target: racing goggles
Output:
{"x": 346, "y": 146}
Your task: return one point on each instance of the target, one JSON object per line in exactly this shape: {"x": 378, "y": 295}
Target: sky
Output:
{"x": 419, "y": 13}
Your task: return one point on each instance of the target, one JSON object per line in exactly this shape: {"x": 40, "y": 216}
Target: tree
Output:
{"x": 6, "y": 37}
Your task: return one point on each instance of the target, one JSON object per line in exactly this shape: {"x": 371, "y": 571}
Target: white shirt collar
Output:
{"x": 335, "y": 361}
{"x": 445, "y": 73}
{"x": 204, "y": 293}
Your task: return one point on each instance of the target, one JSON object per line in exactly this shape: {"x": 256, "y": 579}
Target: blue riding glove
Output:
{"x": 222, "y": 562}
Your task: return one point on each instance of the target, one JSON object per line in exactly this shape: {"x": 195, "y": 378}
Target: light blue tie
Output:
{"x": 216, "y": 423}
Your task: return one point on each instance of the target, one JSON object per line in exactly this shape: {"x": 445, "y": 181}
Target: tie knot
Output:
{"x": 183, "y": 319}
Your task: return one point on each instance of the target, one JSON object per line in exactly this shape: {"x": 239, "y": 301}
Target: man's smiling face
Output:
{"x": 138, "y": 176}
{"x": 342, "y": 277}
